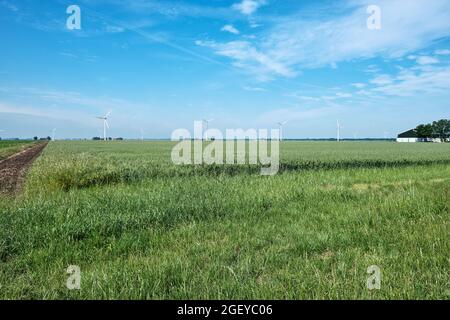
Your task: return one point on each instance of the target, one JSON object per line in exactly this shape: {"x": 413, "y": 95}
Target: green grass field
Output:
{"x": 8, "y": 148}
{"x": 140, "y": 227}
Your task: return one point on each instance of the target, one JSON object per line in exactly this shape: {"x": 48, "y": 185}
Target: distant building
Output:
{"x": 409, "y": 136}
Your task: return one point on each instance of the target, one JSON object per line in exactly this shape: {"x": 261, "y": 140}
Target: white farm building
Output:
{"x": 411, "y": 136}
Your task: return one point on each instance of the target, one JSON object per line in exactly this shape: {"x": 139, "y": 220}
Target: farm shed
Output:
{"x": 409, "y": 136}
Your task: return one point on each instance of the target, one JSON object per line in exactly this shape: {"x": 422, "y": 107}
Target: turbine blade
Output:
{"x": 106, "y": 123}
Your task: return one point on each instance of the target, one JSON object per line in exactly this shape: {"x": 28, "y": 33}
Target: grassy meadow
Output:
{"x": 10, "y": 147}
{"x": 140, "y": 227}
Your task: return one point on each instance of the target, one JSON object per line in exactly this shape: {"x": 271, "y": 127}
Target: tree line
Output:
{"x": 437, "y": 130}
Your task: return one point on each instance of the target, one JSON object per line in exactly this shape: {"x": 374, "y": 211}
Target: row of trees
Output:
{"x": 42, "y": 139}
{"x": 437, "y": 130}
{"x": 109, "y": 139}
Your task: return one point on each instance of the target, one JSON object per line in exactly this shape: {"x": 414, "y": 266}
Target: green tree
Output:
{"x": 441, "y": 129}
{"x": 424, "y": 131}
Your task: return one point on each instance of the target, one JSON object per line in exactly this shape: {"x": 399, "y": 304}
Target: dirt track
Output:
{"x": 13, "y": 169}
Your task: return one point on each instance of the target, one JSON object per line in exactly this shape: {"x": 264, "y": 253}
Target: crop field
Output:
{"x": 8, "y": 148}
{"x": 140, "y": 227}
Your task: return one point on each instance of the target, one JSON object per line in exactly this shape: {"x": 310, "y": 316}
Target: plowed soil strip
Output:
{"x": 13, "y": 169}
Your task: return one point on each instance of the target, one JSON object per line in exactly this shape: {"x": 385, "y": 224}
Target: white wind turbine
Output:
{"x": 280, "y": 126}
{"x": 142, "y": 135}
{"x": 207, "y": 127}
{"x": 53, "y": 134}
{"x": 105, "y": 124}
{"x": 339, "y": 127}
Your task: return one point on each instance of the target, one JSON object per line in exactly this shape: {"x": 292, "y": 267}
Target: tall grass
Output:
{"x": 140, "y": 227}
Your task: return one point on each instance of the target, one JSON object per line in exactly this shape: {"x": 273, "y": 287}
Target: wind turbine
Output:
{"x": 207, "y": 127}
{"x": 339, "y": 127}
{"x": 142, "y": 135}
{"x": 105, "y": 124}
{"x": 280, "y": 125}
{"x": 53, "y": 134}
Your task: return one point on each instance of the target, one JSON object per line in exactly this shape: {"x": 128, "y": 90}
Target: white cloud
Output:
{"x": 344, "y": 38}
{"x": 297, "y": 42}
{"x": 372, "y": 69}
{"x": 114, "y": 29}
{"x": 433, "y": 80}
{"x": 307, "y": 98}
{"x": 424, "y": 60}
{"x": 230, "y": 28}
{"x": 382, "y": 80}
{"x": 255, "y": 89}
{"x": 358, "y": 85}
{"x": 343, "y": 95}
{"x": 442, "y": 52}
{"x": 244, "y": 55}
{"x": 248, "y": 7}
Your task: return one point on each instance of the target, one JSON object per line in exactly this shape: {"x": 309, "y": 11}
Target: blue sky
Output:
{"x": 161, "y": 64}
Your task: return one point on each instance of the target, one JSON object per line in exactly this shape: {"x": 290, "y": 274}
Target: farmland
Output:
{"x": 140, "y": 227}
{"x": 8, "y": 148}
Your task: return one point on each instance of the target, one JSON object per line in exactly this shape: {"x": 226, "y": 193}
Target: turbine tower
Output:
{"x": 142, "y": 135}
{"x": 53, "y": 134}
{"x": 280, "y": 126}
{"x": 207, "y": 127}
{"x": 339, "y": 127}
{"x": 105, "y": 124}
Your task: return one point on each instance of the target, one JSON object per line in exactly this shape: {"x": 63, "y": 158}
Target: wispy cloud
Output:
{"x": 382, "y": 79}
{"x": 254, "y": 89}
{"x": 49, "y": 112}
{"x": 424, "y": 60}
{"x": 409, "y": 82}
{"x": 358, "y": 85}
{"x": 8, "y": 5}
{"x": 442, "y": 52}
{"x": 297, "y": 42}
{"x": 230, "y": 28}
{"x": 245, "y": 56}
{"x": 248, "y": 7}
{"x": 167, "y": 8}
{"x": 69, "y": 98}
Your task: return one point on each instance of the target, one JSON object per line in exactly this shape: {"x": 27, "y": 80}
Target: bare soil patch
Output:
{"x": 13, "y": 169}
